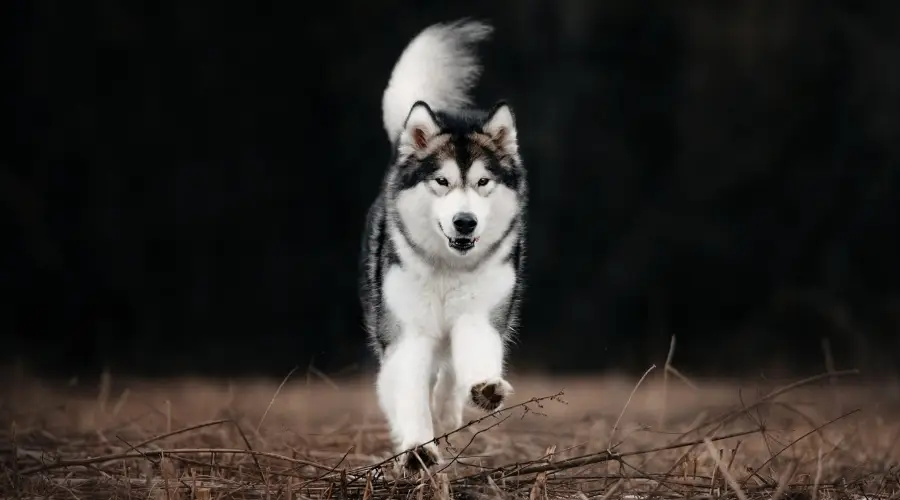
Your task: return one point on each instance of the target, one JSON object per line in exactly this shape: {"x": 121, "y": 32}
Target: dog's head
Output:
{"x": 459, "y": 182}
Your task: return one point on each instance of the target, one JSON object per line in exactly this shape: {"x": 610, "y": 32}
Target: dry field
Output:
{"x": 823, "y": 437}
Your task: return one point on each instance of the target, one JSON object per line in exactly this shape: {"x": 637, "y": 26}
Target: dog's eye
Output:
{"x": 442, "y": 181}
{"x": 483, "y": 181}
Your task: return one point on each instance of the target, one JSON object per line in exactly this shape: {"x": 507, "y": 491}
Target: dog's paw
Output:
{"x": 425, "y": 455}
{"x": 490, "y": 395}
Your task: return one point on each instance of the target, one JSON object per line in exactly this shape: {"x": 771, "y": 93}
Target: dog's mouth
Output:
{"x": 460, "y": 244}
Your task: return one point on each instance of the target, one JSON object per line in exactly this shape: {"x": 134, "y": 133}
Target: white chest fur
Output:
{"x": 430, "y": 301}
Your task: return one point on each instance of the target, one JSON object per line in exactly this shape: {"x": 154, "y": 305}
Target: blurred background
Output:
{"x": 184, "y": 185}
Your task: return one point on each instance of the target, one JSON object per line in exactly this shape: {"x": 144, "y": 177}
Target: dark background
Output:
{"x": 183, "y": 187}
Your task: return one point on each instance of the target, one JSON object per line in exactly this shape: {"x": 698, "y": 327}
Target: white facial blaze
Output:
{"x": 452, "y": 200}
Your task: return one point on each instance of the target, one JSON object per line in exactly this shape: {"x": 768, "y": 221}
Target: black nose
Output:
{"x": 465, "y": 222}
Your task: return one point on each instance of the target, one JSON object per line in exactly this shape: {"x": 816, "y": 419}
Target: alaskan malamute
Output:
{"x": 443, "y": 252}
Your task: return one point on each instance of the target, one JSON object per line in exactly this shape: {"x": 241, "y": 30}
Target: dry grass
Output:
{"x": 815, "y": 439}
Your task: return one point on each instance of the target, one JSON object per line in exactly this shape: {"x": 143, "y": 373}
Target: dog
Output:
{"x": 444, "y": 244}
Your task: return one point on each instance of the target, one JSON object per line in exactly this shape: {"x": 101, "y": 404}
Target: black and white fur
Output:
{"x": 444, "y": 244}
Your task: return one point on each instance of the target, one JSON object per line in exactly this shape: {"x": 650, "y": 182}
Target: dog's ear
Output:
{"x": 501, "y": 127}
{"x": 420, "y": 127}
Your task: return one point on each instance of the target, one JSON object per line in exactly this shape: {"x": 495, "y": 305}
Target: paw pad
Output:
{"x": 490, "y": 395}
{"x": 423, "y": 455}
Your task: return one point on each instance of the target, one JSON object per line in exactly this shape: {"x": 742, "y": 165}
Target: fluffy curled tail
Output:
{"x": 439, "y": 66}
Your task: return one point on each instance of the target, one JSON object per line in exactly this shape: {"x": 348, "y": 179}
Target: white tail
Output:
{"x": 438, "y": 66}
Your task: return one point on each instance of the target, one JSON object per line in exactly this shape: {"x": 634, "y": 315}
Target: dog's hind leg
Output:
{"x": 478, "y": 352}
{"x": 404, "y": 391}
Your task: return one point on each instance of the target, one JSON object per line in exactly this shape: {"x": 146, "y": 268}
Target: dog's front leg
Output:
{"x": 404, "y": 391}
{"x": 478, "y": 352}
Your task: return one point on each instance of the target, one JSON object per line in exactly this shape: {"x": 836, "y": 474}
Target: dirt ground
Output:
{"x": 824, "y": 437}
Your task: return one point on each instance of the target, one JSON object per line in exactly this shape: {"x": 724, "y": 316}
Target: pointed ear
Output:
{"x": 501, "y": 127}
{"x": 420, "y": 127}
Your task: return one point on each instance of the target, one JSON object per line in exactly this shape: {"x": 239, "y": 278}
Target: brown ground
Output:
{"x": 822, "y": 438}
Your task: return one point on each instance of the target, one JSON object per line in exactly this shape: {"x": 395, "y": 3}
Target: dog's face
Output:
{"x": 458, "y": 181}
